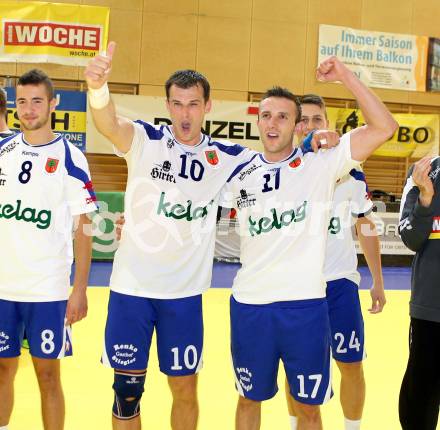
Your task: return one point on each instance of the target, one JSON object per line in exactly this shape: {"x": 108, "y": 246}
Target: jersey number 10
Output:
{"x": 196, "y": 169}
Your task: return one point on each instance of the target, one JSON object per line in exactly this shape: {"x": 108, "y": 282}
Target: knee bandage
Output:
{"x": 128, "y": 389}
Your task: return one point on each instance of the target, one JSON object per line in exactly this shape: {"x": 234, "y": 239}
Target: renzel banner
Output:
{"x": 69, "y": 118}
{"x": 417, "y": 135}
{"x": 381, "y": 60}
{"x": 35, "y": 32}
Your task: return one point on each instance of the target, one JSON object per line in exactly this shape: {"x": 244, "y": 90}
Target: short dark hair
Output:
{"x": 37, "y": 77}
{"x": 3, "y": 101}
{"x": 285, "y": 94}
{"x": 314, "y": 99}
{"x": 187, "y": 79}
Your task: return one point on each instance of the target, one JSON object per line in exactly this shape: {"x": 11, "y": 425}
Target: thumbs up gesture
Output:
{"x": 98, "y": 69}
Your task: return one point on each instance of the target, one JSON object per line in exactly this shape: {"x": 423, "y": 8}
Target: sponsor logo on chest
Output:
{"x": 277, "y": 220}
{"x": 245, "y": 200}
{"x": 179, "y": 211}
{"x": 163, "y": 172}
{"x": 40, "y": 218}
{"x": 30, "y": 154}
{"x": 248, "y": 171}
{"x": 8, "y": 148}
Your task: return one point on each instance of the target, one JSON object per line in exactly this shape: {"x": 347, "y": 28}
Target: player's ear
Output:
{"x": 208, "y": 106}
{"x": 53, "y": 104}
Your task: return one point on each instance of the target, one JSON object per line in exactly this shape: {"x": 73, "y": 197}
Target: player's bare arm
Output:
{"x": 380, "y": 125}
{"x": 369, "y": 241}
{"x": 117, "y": 129}
{"x": 77, "y": 304}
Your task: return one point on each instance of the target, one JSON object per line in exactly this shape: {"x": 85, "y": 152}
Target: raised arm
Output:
{"x": 380, "y": 125}
{"x": 117, "y": 129}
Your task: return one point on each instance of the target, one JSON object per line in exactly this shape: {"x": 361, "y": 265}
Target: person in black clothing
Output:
{"x": 420, "y": 231}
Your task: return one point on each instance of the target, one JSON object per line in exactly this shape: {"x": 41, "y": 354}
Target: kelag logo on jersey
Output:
{"x": 40, "y": 218}
{"x": 162, "y": 171}
{"x": 278, "y": 221}
{"x": 179, "y": 211}
{"x": 245, "y": 200}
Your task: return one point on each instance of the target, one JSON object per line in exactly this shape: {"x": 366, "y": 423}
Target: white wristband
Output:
{"x": 100, "y": 97}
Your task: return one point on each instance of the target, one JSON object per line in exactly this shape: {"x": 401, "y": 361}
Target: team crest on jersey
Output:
{"x": 296, "y": 163}
{"x": 170, "y": 143}
{"x": 52, "y": 165}
{"x": 245, "y": 200}
{"x": 212, "y": 157}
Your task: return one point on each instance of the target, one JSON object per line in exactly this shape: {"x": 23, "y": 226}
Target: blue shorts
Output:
{"x": 46, "y": 332}
{"x": 296, "y": 332}
{"x": 346, "y": 322}
{"x": 179, "y": 333}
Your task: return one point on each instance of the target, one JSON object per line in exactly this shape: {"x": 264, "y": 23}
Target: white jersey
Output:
{"x": 350, "y": 200}
{"x": 167, "y": 245}
{"x": 283, "y": 211}
{"x": 41, "y": 189}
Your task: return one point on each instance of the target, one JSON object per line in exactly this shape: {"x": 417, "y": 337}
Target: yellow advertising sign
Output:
{"x": 417, "y": 136}
{"x": 61, "y": 33}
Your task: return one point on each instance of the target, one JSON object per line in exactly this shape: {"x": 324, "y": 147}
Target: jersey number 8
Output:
{"x": 25, "y": 175}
